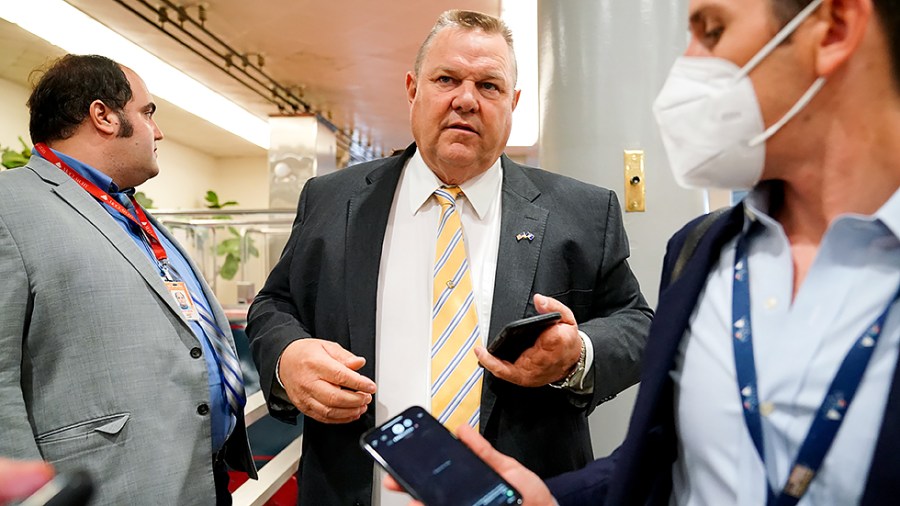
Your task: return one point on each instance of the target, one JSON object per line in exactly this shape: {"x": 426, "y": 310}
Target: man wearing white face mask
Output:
{"x": 770, "y": 373}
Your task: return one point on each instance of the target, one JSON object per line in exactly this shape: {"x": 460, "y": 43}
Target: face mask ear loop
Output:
{"x": 783, "y": 34}
{"x": 803, "y": 102}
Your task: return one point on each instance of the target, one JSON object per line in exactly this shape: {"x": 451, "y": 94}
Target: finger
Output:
{"x": 344, "y": 356}
{"x": 499, "y": 368}
{"x": 327, "y": 414}
{"x": 334, "y": 371}
{"x": 391, "y": 484}
{"x": 19, "y": 479}
{"x": 336, "y": 397}
{"x": 545, "y": 304}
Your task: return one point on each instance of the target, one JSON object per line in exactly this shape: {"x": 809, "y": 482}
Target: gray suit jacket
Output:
{"x": 96, "y": 369}
{"x": 325, "y": 286}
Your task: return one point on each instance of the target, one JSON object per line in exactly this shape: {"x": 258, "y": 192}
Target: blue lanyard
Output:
{"x": 834, "y": 406}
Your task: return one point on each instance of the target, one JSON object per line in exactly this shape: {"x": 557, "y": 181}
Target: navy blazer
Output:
{"x": 640, "y": 470}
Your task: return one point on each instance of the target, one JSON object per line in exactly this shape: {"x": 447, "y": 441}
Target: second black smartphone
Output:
{"x": 434, "y": 466}
{"x": 520, "y": 335}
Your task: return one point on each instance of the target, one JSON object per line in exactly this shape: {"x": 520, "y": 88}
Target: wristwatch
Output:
{"x": 577, "y": 371}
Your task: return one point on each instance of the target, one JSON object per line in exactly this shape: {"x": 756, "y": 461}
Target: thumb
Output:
{"x": 545, "y": 304}
{"x": 343, "y": 356}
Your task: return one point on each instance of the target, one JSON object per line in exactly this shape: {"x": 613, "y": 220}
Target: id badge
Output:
{"x": 183, "y": 299}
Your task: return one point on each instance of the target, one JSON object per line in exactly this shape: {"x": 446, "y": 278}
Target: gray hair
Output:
{"x": 467, "y": 20}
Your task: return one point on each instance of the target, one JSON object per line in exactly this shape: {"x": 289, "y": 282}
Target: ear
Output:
{"x": 411, "y": 87}
{"x": 844, "y": 25}
{"x": 103, "y": 118}
{"x": 515, "y": 101}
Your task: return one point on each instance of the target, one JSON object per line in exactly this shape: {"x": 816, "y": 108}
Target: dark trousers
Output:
{"x": 220, "y": 473}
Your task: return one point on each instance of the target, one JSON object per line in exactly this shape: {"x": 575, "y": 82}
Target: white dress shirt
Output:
{"x": 798, "y": 346}
{"x": 403, "y": 314}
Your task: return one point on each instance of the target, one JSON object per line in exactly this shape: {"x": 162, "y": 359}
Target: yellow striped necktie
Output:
{"x": 455, "y": 373}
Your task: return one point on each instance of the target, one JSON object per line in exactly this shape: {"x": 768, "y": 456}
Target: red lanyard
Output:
{"x": 141, "y": 221}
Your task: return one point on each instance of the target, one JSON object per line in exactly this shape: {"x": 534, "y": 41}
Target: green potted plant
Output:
{"x": 12, "y": 158}
{"x": 230, "y": 247}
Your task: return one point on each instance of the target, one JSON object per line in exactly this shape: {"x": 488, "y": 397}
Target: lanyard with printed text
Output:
{"x": 834, "y": 406}
{"x": 141, "y": 221}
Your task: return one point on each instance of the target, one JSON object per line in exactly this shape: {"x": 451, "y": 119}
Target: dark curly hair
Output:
{"x": 61, "y": 99}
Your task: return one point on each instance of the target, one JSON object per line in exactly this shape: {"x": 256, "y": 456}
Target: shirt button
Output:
{"x": 196, "y": 353}
{"x": 771, "y": 302}
{"x": 203, "y": 409}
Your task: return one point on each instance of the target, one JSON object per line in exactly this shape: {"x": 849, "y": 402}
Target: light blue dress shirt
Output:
{"x": 222, "y": 419}
{"x": 799, "y": 342}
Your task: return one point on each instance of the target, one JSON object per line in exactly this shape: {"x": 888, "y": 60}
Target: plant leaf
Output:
{"x": 230, "y": 267}
{"x": 229, "y": 246}
{"x": 142, "y": 199}
{"x": 213, "y": 200}
{"x": 251, "y": 249}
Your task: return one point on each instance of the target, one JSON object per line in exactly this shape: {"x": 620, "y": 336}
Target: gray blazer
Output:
{"x": 96, "y": 369}
{"x": 326, "y": 283}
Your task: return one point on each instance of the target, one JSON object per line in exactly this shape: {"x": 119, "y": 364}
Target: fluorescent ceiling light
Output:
{"x": 521, "y": 17}
{"x": 64, "y": 26}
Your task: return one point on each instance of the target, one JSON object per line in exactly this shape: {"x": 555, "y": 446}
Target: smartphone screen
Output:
{"x": 434, "y": 466}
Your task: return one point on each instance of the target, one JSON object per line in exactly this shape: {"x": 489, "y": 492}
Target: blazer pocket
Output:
{"x": 110, "y": 425}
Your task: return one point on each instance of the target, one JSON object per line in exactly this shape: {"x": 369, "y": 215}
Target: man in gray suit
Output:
{"x": 359, "y": 293}
{"x": 101, "y": 369}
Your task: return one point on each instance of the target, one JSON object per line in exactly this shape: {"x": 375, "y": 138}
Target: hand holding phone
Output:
{"x": 518, "y": 336}
{"x": 432, "y": 465}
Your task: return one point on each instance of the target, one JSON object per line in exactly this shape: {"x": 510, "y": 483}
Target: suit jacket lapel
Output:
{"x": 517, "y": 259}
{"x": 85, "y": 205}
{"x": 367, "y": 216}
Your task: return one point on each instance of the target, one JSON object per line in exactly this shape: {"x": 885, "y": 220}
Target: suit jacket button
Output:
{"x": 196, "y": 352}
{"x": 203, "y": 409}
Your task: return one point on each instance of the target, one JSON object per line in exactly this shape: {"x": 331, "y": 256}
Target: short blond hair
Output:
{"x": 467, "y": 20}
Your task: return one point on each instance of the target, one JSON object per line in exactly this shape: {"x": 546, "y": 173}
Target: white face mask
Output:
{"x": 710, "y": 120}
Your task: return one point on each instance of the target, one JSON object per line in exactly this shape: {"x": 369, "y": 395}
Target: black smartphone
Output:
{"x": 68, "y": 488}
{"x": 520, "y": 335}
{"x": 432, "y": 465}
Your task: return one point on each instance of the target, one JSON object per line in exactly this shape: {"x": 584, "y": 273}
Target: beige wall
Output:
{"x": 245, "y": 180}
{"x": 185, "y": 173}
{"x": 14, "y": 120}
{"x": 184, "y": 176}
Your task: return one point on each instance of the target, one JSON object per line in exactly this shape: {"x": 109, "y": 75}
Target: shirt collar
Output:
{"x": 93, "y": 175}
{"x": 480, "y": 191}
{"x": 760, "y": 201}
{"x": 758, "y": 204}
{"x": 889, "y": 213}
